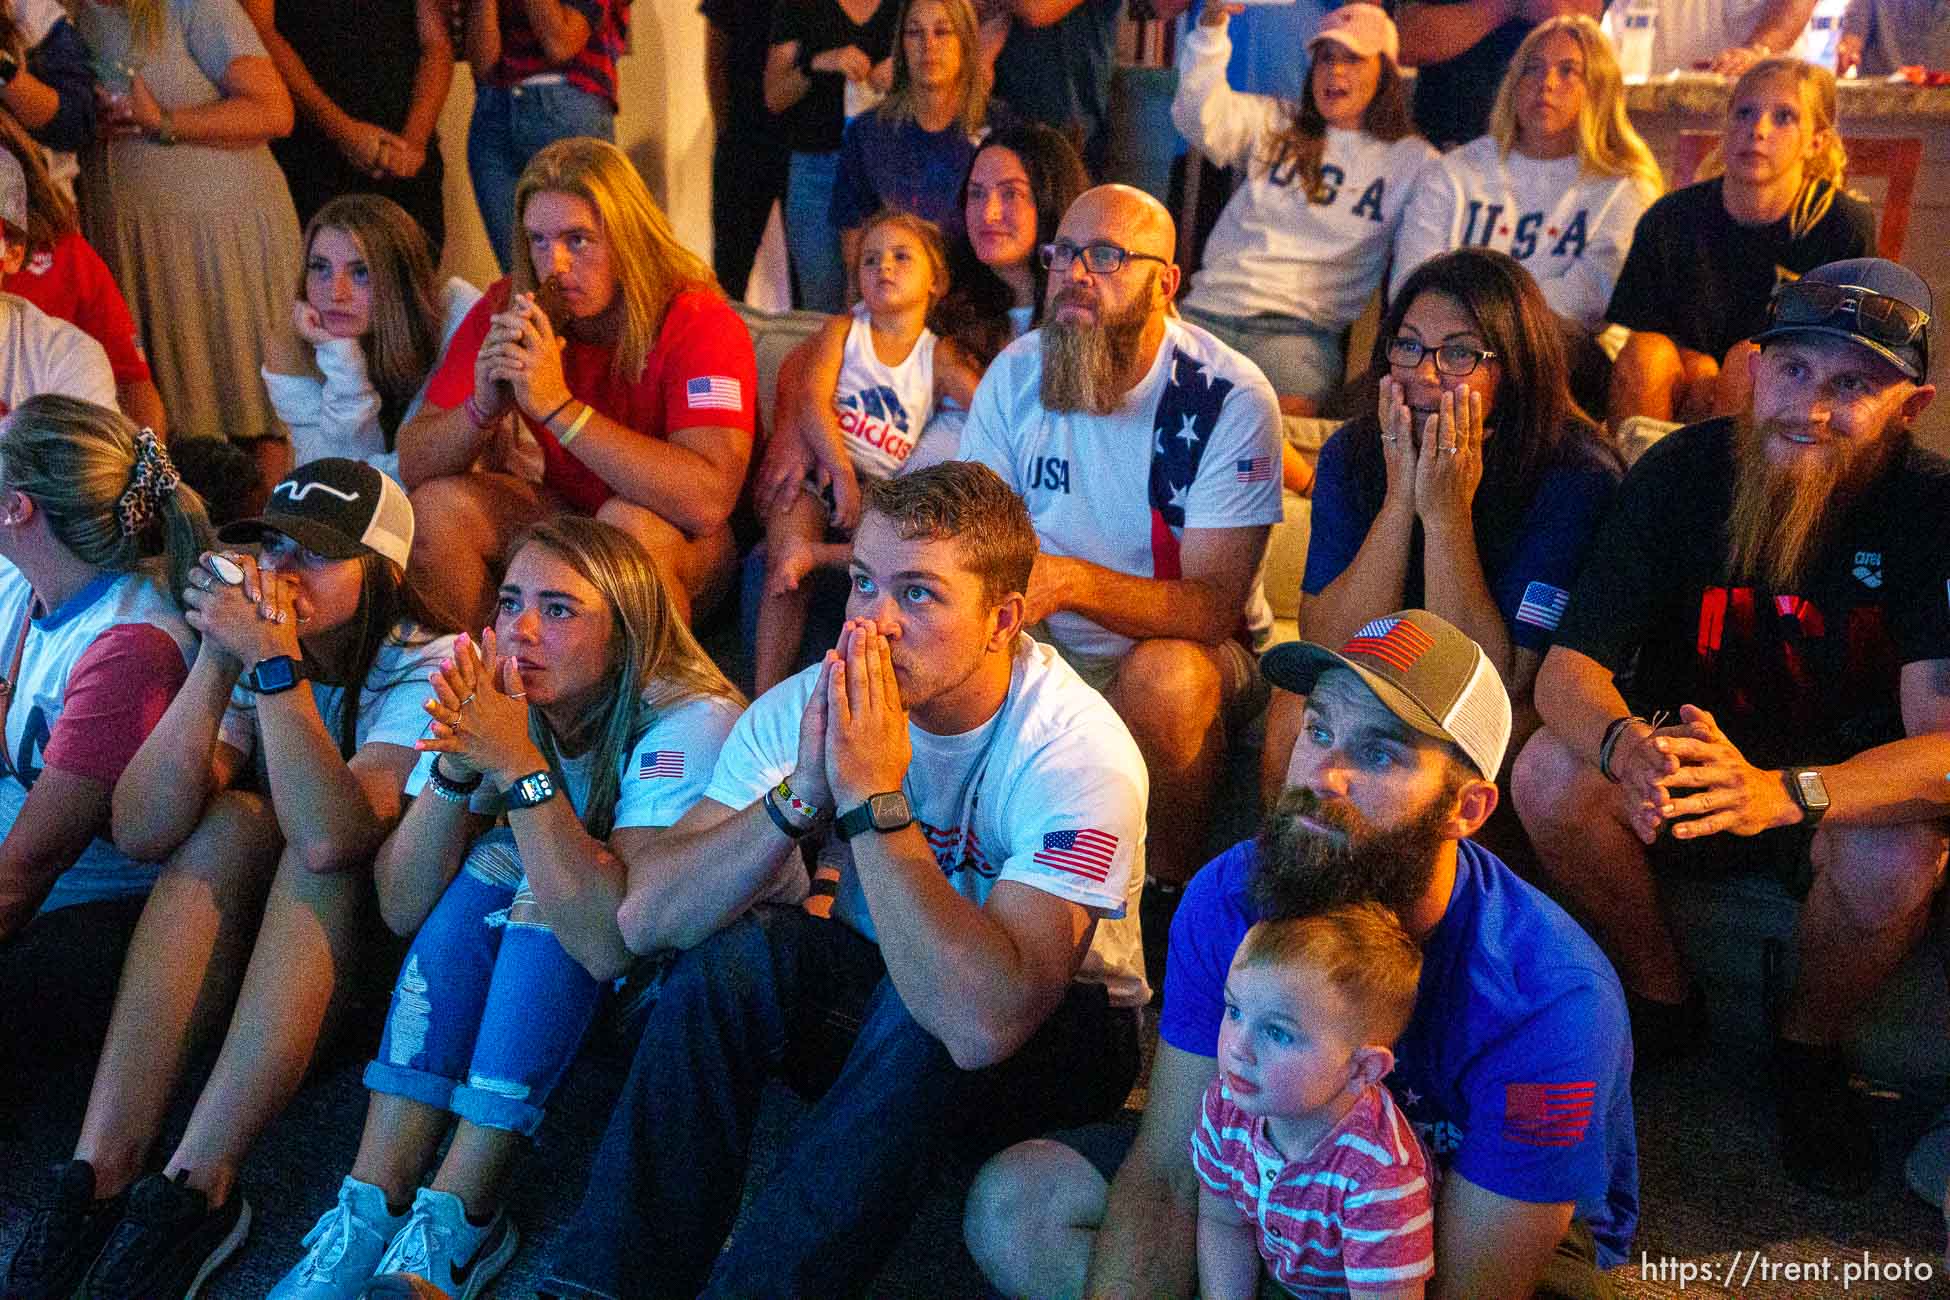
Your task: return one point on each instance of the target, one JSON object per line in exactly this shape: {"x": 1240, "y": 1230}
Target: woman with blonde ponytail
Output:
{"x": 1707, "y": 257}
{"x": 95, "y": 526}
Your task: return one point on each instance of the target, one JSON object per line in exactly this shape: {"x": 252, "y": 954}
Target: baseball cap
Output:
{"x": 1870, "y": 301}
{"x": 337, "y": 507}
{"x": 13, "y": 192}
{"x": 1363, "y": 28}
{"x": 1428, "y": 673}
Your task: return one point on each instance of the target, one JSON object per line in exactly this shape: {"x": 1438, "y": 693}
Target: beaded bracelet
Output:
{"x": 449, "y": 789}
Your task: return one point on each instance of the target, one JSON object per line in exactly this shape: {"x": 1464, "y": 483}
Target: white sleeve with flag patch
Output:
{"x": 1238, "y": 483}
{"x": 673, "y": 762}
{"x": 1074, "y": 822}
{"x": 763, "y": 746}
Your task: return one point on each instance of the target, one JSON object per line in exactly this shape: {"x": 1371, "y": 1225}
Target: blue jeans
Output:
{"x": 812, "y": 242}
{"x": 779, "y": 992}
{"x": 1298, "y": 358}
{"x": 511, "y": 125}
{"x": 488, "y": 1012}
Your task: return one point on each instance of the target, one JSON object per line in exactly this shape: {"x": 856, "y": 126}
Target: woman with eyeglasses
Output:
{"x": 1471, "y": 492}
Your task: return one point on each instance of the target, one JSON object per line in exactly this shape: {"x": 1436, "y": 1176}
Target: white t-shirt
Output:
{"x": 1570, "y": 230}
{"x": 1196, "y": 444}
{"x": 660, "y": 777}
{"x": 336, "y": 412}
{"x": 40, "y": 353}
{"x": 1696, "y": 31}
{"x": 391, "y": 704}
{"x": 881, "y": 408}
{"x": 1274, "y": 251}
{"x": 55, "y": 644}
{"x": 1049, "y": 793}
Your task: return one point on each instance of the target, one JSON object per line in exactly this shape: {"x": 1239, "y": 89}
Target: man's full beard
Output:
{"x": 1303, "y": 872}
{"x": 1082, "y": 359}
{"x": 1783, "y": 515}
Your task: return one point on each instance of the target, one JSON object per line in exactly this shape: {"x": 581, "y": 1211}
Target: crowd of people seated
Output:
{"x": 354, "y": 628}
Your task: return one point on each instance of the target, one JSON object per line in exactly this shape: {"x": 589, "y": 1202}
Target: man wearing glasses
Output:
{"x": 1773, "y": 588}
{"x": 1149, "y": 455}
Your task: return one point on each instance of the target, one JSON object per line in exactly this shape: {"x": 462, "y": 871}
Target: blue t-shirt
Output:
{"x": 1530, "y": 568}
{"x": 1059, "y": 75}
{"x": 895, "y": 164}
{"x": 1516, "y": 1068}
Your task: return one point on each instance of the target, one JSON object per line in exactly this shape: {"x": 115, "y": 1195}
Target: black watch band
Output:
{"x": 1809, "y": 792}
{"x": 274, "y": 675}
{"x": 536, "y": 788}
{"x": 885, "y": 813}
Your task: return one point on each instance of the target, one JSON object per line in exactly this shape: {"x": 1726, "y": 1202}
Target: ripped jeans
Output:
{"x": 488, "y": 1011}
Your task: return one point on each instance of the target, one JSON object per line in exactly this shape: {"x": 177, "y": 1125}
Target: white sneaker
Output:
{"x": 441, "y": 1246}
{"x": 343, "y": 1247}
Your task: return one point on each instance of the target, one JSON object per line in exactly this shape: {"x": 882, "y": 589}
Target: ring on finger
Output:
{"x": 465, "y": 700}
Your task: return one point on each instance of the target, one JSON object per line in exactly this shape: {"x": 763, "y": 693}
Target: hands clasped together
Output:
{"x": 1433, "y": 471}
{"x": 1690, "y": 776}
{"x": 523, "y": 351}
{"x": 853, "y": 740}
{"x": 244, "y": 612}
{"x": 480, "y": 716}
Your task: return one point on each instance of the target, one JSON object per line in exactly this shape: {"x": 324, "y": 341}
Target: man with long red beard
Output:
{"x": 1148, "y": 453}
{"x": 1773, "y": 588}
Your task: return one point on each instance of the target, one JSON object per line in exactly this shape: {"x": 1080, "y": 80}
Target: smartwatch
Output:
{"x": 277, "y": 674}
{"x": 535, "y": 788}
{"x": 884, "y": 813}
{"x": 1810, "y": 793}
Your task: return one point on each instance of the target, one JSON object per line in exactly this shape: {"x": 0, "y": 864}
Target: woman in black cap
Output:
{"x": 300, "y": 779}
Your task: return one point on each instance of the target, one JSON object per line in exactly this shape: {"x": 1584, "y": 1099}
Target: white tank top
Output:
{"x": 881, "y": 408}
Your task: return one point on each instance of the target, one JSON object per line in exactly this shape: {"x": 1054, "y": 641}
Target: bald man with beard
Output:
{"x": 1775, "y": 588}
{"x": 1149, "y": 455}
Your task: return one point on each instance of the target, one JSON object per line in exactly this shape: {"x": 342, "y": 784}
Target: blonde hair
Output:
{"x": 650, "y": 264}
{"x": 403, "y": 342}
{"x": 1608, "y": 144}
{"x": 50, "y": 213}
{"x": 77, "y": 461}
{"x": 654, "y": 659}
{"x": 926, "y": 233}
{"x": 1363, "y": 953}
{"x": 148, "y": 19}
{"x": 972, "y": 111}
{"x": 1822, "y": 174}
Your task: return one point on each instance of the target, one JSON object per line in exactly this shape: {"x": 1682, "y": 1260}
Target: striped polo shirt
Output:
{"x": 592, "y": 68}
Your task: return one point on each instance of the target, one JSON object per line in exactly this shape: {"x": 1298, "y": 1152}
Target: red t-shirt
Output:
{"x": 700, "y": 373}
{"x": 72, "y": 282}
{"x": 115, "y": 696}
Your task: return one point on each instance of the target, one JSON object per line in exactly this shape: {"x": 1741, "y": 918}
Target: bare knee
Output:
{"x": 232, "y": 848}
{"x": 1024, "y": 1208}
{"x": 1168, "y": 690}
{"x": 1551, "y": 785}
{"x": 1877, "y": 877}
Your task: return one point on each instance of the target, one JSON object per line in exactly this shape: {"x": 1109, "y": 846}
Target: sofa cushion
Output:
{"x": 774, "y": 334}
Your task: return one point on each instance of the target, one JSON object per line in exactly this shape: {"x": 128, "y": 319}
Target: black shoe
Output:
{"x": 1827, "y": 1144}
{"x": 1665, "y": 1032}
{"x": 169, "y": 1242}
{"x": 63, "y": 1238}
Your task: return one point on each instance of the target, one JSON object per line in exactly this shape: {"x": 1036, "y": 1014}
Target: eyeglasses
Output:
{"x": 1875, "y": 316}
{"x": 1100, "y": 258}
{"x": 1453, "y": 359}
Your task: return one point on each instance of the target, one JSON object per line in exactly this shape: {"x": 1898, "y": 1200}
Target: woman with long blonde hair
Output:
{"x": 1707, "y": 257}
{"x": 611, "y": 344}
{"x": 1559, "y": 183}
{"x": 367, "y": 326}
{"x": 911, "y": 152}
{"x": 592, "y": 719}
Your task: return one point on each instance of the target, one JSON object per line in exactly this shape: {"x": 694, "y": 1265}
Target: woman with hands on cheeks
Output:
{"x": 277, "y": 770}
{"x": 1473, "y": 490}
{"x": 592, "y": 718}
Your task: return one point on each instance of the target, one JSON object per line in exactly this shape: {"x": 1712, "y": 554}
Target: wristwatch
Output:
{"x": 884, "y": 813}
{"x": 1810, "y": 793}
{"x": 535, "y": 788}
{"x": 274, "y": 675}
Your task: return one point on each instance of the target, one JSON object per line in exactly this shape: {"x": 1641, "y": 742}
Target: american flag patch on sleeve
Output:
{"x": 715, "y": 393}
{"x": 1548, "y": 1114}
{"x": 1087, "y": 853}
{"x": 661, "y": 763}
{"x": 1259, "y": 469}
{"x": 1543, "y": 606}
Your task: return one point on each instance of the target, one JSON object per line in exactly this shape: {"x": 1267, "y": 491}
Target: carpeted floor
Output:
{"x": 1713, "y": 1197}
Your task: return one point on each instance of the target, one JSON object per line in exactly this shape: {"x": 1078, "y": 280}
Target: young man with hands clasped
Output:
{"x": 979, "y": 978}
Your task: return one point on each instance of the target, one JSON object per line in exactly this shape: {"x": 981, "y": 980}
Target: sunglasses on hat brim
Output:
{"x": 1875, "y": 316}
